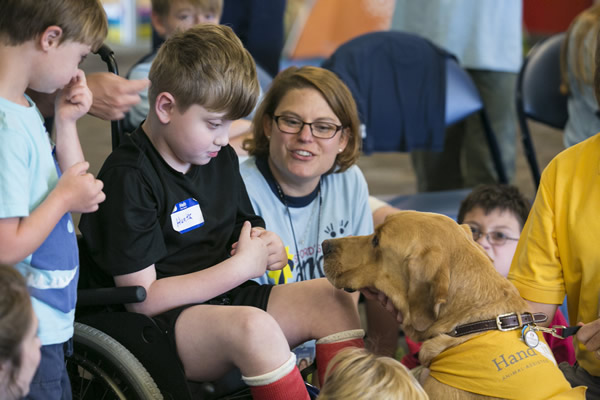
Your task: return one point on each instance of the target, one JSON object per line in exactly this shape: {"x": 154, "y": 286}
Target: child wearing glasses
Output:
{"x": 496, "y": 214}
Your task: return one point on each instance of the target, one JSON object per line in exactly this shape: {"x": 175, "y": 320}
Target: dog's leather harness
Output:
{"x": 503, "y": 322}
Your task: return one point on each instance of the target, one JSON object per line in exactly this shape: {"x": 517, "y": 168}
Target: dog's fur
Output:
{"x": 434, "y": 274}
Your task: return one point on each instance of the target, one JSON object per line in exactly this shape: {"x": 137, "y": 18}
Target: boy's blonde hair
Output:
{"x": 356, "y": 374}
{"x": 162, "y": 7}
{"x": 335, "y": 93}
{"x": 206, "y": 65}
{"x": 82, "y": 21}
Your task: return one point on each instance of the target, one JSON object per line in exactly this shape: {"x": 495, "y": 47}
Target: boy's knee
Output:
{"x": 255, "y": 323}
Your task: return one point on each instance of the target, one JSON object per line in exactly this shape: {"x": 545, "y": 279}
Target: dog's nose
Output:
{"x": 326, "y": 247}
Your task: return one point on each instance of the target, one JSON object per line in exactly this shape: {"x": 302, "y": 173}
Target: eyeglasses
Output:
{"x": 319, "y": 129}
{"x": 495, "y": 237}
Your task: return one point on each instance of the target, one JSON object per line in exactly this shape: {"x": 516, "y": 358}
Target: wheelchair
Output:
{"x": 123, "y": 355}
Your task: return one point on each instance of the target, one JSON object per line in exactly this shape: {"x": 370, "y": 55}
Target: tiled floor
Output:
{"x": 387, "y": 173}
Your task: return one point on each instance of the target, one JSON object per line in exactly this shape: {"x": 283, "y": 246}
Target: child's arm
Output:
{"x": 76, "y": 191}
{"x": 72, "y": 102}
{"x": 167, "y": 293}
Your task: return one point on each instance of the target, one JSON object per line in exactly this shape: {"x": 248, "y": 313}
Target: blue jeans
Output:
{"x": 51, "y": 381}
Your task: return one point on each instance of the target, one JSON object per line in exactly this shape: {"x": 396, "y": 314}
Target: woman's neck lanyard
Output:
{"x": 287, "y": 208}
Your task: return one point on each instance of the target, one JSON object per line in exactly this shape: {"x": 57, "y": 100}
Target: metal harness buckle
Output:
{"x": 499, "y": 322}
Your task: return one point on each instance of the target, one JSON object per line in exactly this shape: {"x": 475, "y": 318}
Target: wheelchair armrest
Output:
{"x": 110, "y": 296}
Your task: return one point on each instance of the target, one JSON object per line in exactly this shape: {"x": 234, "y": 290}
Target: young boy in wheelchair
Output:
{"x": 41, "y": 46}
{"x": 178, "y": 221}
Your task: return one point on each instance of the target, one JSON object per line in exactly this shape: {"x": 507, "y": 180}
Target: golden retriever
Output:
{"x": 435, "y": 275}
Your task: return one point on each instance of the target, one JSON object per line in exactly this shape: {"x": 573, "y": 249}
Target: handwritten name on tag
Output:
{"x": 186, "y": 216}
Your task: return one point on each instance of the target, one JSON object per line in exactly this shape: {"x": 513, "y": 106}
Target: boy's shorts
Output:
{"x": 249, "y": 293}
{"x": 51, "y": 381}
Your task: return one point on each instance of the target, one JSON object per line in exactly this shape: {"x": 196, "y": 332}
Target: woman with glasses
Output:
{"x": 301, "y": 176}
{"x": 302, "y": 179}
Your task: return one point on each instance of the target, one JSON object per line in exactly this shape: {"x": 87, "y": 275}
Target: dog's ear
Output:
{"x": 428, "y": 284}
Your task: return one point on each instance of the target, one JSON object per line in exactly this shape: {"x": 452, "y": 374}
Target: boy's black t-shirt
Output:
{"x": 136, "y": 226}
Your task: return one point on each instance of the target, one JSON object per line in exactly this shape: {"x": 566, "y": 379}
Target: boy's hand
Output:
{"x": 277, "y": 256}
{"x": 74, "y": 100}
{"x": 254, "y": 251}
{"x": 81, "y": 191}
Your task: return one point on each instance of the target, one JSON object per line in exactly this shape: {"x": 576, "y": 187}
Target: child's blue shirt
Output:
{"x": 28, "y": 173}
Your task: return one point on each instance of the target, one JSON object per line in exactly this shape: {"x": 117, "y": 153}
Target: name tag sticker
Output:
{"x": 187, "y": 216}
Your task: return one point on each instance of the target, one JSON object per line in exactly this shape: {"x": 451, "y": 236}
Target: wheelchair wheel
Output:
{"x": 101, "y": 368}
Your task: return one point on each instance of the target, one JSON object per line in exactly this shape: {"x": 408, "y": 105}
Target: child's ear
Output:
{"x": 50, "y": 37}
{"x": 157, "y": 23}
{"x": 164, "y": 106}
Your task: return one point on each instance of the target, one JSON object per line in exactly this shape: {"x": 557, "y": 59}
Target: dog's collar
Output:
{"x": 503, "y": 322}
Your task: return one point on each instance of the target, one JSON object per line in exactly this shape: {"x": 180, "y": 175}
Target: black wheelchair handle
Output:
{"x": 111, "y": 296}
{"x": 108, "y": 56}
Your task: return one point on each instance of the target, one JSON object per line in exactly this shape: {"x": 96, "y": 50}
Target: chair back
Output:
{"x": 539, "y": 83}
{"x": 462, "y": 96}
{"x": 407, "y": 91}
{"x": 398, "y": 82}
{"x": 538, "y": 95}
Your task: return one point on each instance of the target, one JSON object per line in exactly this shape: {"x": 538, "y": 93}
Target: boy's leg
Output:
{"x": 51, "y": 381}
{"x": 316, "y": 310}
{"x": 212, "y": 340}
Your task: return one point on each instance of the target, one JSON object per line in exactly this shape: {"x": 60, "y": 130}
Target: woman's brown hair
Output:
{"x": 335, "y": 93}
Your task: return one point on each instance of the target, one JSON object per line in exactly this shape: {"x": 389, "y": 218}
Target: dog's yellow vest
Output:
{"x": 500, "y": 364}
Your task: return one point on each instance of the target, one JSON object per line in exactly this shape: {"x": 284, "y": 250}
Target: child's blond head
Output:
{"x": 356, "y": 373}
{"x": 206, "y": 65}
{"x": 162, "y": 7}
{"x": 15, "y": 319}
{"x": 82, "y": 21}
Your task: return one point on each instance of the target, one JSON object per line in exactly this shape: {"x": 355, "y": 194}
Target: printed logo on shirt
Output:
{"x": 186, "y": 216}
{"x": 332, "y": 232}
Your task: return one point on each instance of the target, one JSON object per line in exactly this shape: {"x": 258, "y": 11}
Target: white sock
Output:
{"x": 273, "y": 376}
{"x": 341, "y": 336}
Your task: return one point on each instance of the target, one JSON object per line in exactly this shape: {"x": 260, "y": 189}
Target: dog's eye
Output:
{"x": 375, "y": 241}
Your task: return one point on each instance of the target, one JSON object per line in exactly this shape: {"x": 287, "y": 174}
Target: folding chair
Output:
{"x": 538, "y": 95}
{"x": 385, "y": 63}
